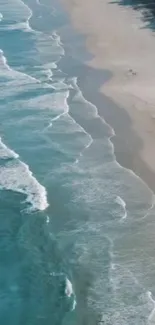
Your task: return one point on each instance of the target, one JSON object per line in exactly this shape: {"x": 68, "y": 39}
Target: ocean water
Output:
{"x": 77, "y": 229}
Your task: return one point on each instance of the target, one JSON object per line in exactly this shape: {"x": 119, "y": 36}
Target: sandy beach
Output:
{"x": 119, "y": 42}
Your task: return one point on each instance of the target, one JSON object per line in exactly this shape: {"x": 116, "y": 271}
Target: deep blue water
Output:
{"x": 77, "y": 229}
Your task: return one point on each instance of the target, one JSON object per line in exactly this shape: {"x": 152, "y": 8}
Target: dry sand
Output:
{"x": 119, "y": 42}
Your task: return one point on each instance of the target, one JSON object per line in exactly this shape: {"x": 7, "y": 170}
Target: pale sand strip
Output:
{"x": 119, "y": 42}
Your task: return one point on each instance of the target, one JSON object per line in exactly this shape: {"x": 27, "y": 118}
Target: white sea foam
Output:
{"x": 5, "y": 152}
{"x": 90, "y": 141}
{"x": 151, "y": 318}
{"x": 17, "y": 26}
{"x": 112, "y": 262}
{"x": 36, "y": 194}
{"x": 94, "y": 112}
{"x": 49, "y": 74}
{"x": 3, "y": 62}
{"x": 73, "y": 127}
{"x": 49, "y": 50}
{"x": 121, "y": 202}
{"x": 49, "y": 66}
{"x": 15, "y": 10}
{"x": 151, "y": 208}
{"x": 60, "y": 85}
{"x": 74, "y": 304}
{"x": 70, "y": 293}
{"x": 1, "y": 16}
{"x": 47, "y": 219}
{"x": 18, "y": 12}
{"x": 56, "y": 103}
{"x": 16, "y": 176}
{"x": 7, "y": 71}
{"x": 86, "y": 147}
{"x": 57, "y": 38}
{"x": 68, "y": 288}
{"x": 26, "y": 26}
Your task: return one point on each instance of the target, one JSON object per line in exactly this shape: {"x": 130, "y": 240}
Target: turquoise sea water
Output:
{"x": 77, "y": 229}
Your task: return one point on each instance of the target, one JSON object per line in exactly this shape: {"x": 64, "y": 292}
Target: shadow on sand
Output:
{"x": 146, "y": 6}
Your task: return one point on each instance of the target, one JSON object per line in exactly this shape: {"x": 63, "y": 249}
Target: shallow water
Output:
{"x": 77, "y": 229}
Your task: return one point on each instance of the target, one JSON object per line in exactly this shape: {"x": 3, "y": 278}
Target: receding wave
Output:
{"x": 16, "y": 176}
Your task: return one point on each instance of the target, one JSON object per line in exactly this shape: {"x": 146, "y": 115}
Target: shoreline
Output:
{"x": 89, "y": 81}
{"x": 132, "y": 122}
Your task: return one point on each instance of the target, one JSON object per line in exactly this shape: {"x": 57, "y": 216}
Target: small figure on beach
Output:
{"x": 131, "y": 71}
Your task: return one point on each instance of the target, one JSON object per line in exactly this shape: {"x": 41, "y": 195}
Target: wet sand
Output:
{"x": 124, "y": 96}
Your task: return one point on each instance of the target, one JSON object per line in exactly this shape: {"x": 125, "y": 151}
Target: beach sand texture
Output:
{"x": 120, "y": 41}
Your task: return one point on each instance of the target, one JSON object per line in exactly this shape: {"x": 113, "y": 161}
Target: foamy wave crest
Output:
{"x": 151, "y": 318}
{"x": 69, "y": 292}
{"x": 15, "y": 10}
{"x": 17, "y": 13}
{"x": 3, "y": 62}
{"x": 64, "y": 105}
{"x": 13, "y": 74}
{"x": 1, "y": 16}
{"x": 121, "y": 202}
{"x": 16, "y": 176}
{"x": 86, "y": 147}
{"x": 50, "y": 65}
{"x": 5, "y": 152}
{"x": 150, "y": 208}
{"x": 17, "y": 26}
{"x": 93, "y": 111}
{"x": 56, "y": 103}
{"x": 68, "y": 288}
